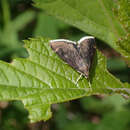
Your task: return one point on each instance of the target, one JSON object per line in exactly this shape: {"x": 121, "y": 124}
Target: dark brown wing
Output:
{"x": 68, "y": 52}
{"x": 87, "y": 50}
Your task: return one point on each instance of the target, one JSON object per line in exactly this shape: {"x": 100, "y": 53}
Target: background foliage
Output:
{"x": 19, "y": 22}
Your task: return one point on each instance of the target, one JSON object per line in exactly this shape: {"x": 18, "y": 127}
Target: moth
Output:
{"x": 79, "y": 55}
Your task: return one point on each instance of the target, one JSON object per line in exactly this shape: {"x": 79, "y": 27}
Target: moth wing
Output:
{"x": 68, "y": 52}
{"x": 87, "y": 50}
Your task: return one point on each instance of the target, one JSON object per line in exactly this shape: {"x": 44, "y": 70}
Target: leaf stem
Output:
{"x": 6, "y": 11}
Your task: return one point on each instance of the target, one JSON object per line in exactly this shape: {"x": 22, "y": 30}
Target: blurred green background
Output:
{"x": 19, "y": 20}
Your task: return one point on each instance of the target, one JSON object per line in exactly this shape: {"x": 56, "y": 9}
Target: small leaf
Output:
{"x": 9, "y": 34}
{"x": 44, "y": 23}
{"x": 105, "y": 19}
{"x": 44, "y": 79}
{"x": 21, "y": 21}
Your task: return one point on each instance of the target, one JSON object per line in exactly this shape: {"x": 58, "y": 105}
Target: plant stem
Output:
{"x": 6, "y": 11}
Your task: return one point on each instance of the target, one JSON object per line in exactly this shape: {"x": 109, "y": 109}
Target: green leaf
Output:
{"x": 9, "y": 34}
{"x": 48, "y": 26}
{"x": 113, "y": 62}
{"x": 21, "y": 21}
{"x": 43, "y": 26}
{"x": 105, "y": 19}
{"x": 44, "y": 79}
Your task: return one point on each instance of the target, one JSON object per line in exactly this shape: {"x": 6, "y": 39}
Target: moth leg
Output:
{"x": 89, "y": 85}
{"x": 78, "y": 78}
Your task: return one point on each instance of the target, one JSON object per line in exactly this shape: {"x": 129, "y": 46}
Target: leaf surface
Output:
{"x": 107, "y": 20}
{"x": 44, "y": 79}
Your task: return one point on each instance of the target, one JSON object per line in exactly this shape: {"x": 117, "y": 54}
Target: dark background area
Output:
{"x": 89, "y": 113}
